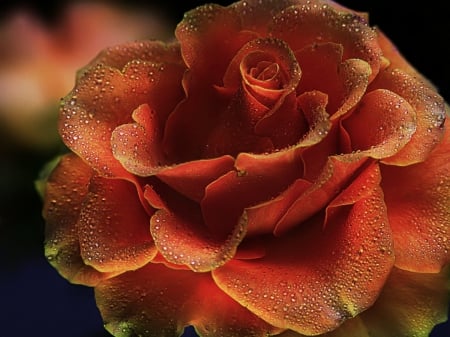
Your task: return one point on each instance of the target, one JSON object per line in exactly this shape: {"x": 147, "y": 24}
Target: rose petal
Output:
{"x": 226, "y": 198}
{"x": 138, "y": 303}
{"x": 255, "y": 15}
{"x": 137, "y": 146}
{"x": 119, "y": 56}
{"x": 104, "y": 97}
{"x": 263, "y": 217}
{"x": 191, "y": 178}
{"x": 430, "y": 112}
{"x": 391, "y": 120}
{"x": 113, "y": 227}
{"x": 320, "y": 274}
{"x": 183, "y": 239}
{"x": 317, "y": 22}
{"x": 418, "y": 200}
{"x": 206, "y": 29}
{"x": 410, "y": 304}
{"x": 344, "y": 82}
{"x": 273, "y": 51}
{"x": 338, "y": 172}
{"x": 66, "y": 189}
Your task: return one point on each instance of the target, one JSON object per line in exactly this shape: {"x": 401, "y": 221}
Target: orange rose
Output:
{"x": 280, "y": 169}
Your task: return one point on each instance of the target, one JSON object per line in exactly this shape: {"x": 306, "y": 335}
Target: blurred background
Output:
{"x": 41, "y": 47}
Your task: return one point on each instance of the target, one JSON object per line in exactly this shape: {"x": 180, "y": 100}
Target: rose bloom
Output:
{"x": 280, "y": 169}
{"x": 38, "y": 62}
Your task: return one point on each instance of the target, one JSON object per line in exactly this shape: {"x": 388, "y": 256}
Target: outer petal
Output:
{"x": 410, "y": 305}
{"x": 317, "y": 22}
{"x": 430, "y": 114}
{"x": 418, "y": 200}
{"x": 66, "y": 189}
{"x": 104, "y": 97}
{"x": 113, "y": 227}
{"x": 391, "y": 121}
{"x": 183, "y": 239}
{"x": 140, "y": 304}
{"x": 317, "y": 276}
{"x": 210, "y": 29}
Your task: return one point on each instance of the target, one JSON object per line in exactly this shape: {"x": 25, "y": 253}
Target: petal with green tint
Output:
{"x": 429, "y": 108}
{"x": 65, "y": 191}
{"x": 156, "y": 301}
{"x": 114, "y": 227}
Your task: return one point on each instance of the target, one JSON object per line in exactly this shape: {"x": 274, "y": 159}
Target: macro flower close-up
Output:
{"x": 277, "y": 169}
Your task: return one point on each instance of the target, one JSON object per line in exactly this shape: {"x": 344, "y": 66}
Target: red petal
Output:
{"x": 316, "y": 22}
{"x": 317, "y": 276}
{"x": 258, "y": 178}
{"x": 335, "y": 175}
{"x": 429, "y": 108}
{"x": 66, "y": 189}
{"x": 256, "y": 15}
{"x": 183, "y": 239}
{"x": 104, "y": 97}
{"x": 137, "y": 146}
{"x": 418, "y": 200}
{"x": 114, "y": 227}
{"x": 156, "y": 301}
{"x": 210, "y": 36}
{"x": 391, "y": 121}
{"x": 344, "y": 82}
{"x": 191, "y": 178}
{"x": 410, "y": 304}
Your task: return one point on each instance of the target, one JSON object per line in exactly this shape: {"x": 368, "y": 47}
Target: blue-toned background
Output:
{"x": 34, "y": 299}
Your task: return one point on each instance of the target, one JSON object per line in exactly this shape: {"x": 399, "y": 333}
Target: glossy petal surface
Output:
{"x": 66, "y": 190}
{"x": 156, "y": 301}
{"x": 114, "y": 227}
{"x": 418, "y": 200}
{"x": 430, "y": 114}
{"x": 105, "y": 98}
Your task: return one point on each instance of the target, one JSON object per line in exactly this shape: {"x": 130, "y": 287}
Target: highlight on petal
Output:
{"x": 392, "y": 123}
{"x": 114, "y": 227}
{"x": 65, "y": 191}
{"x": 429, "y": 109}
{"x": 418, "y": 200}
{"x": 105, "y": 97}
{"x": 139, "y": 304}
{"x": 317, "y": 22}
{"x": 322, "y": 273}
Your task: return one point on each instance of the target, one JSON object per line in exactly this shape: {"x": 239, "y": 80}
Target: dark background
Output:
{"x": 34, "y": 299}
